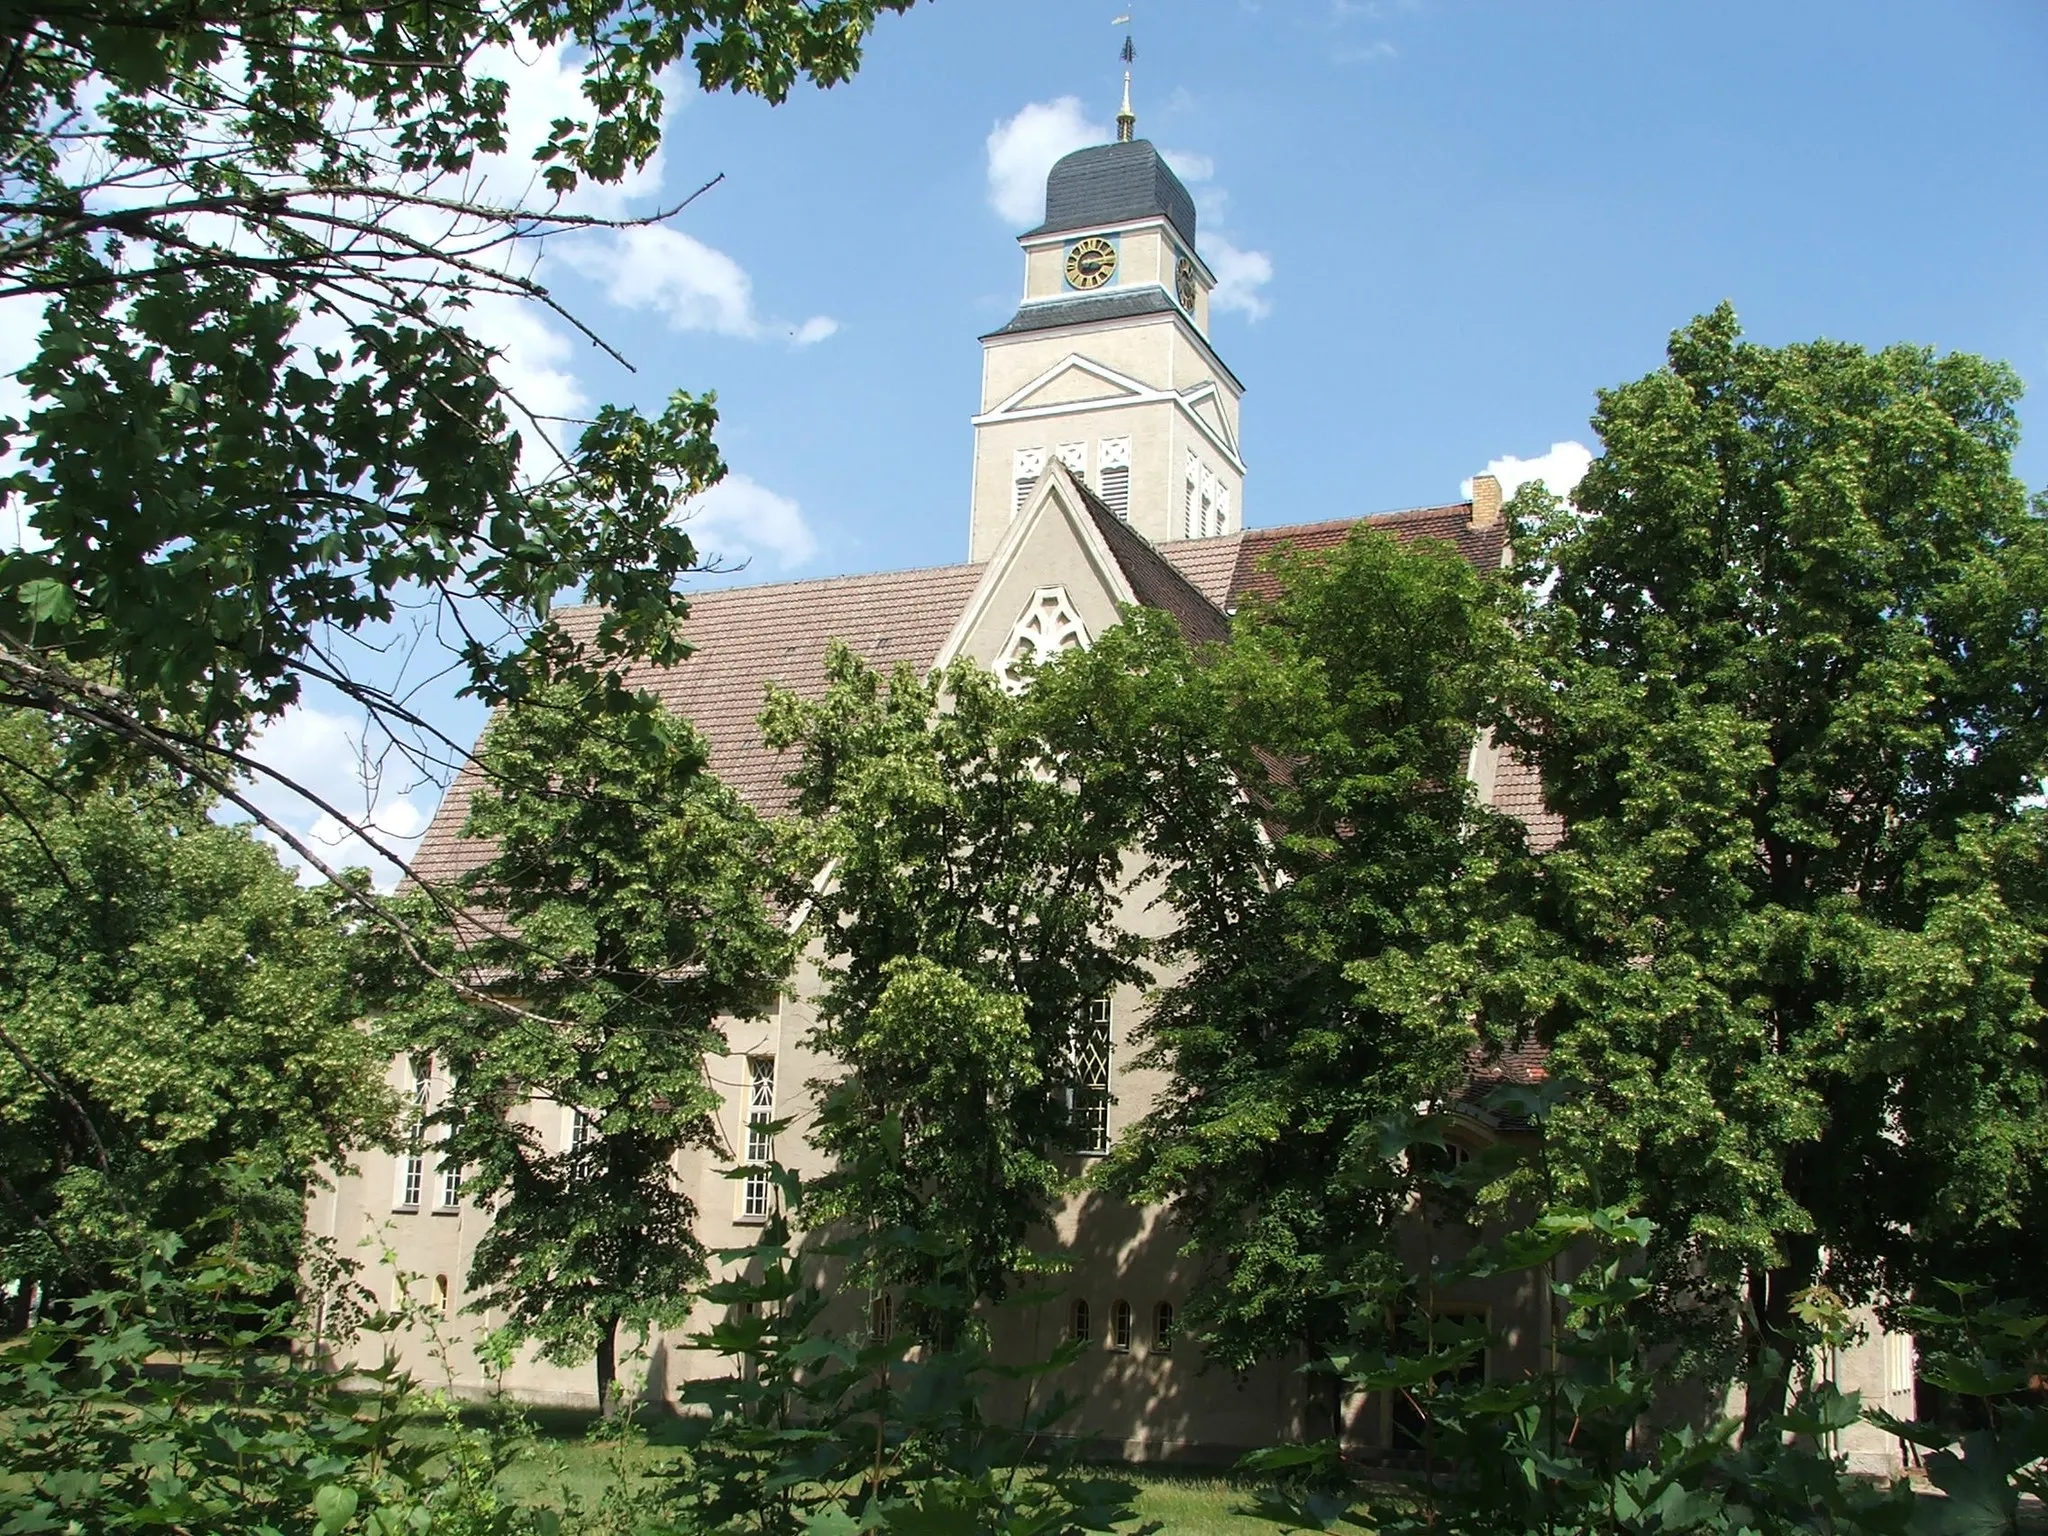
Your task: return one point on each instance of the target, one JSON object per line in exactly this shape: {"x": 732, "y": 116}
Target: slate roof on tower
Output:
{"x": 1110, "y": 184}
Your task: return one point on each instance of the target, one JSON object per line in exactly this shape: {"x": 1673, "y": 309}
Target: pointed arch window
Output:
{"x": 1087, "y": 1089}
{"x": 760, "y": 1144}
{"x": 1080, "y": 1325}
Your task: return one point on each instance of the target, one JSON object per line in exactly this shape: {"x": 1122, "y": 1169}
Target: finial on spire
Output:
{"x": 1127, "y": 120}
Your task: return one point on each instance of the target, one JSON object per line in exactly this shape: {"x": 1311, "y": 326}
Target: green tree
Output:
{"x": 964, "y": 874}
{"x": 261, "y": 410}
{"x": 1340, "y": 901}
{"x": 1786, "y": 687}
{"x": 177, "y": 1010}
{"x": 623, "y": 911}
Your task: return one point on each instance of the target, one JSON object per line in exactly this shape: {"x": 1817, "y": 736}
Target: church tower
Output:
{"x": 1107, "y": 365}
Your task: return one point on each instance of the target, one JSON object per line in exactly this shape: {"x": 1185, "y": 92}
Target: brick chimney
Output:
{"x": 1486, "y": 501}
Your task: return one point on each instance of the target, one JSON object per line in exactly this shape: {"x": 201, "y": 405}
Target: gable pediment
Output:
{"x": 1074, "y": 380}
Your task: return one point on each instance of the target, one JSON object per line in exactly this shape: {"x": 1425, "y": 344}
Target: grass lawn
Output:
{"x": 1196, "y": 1503}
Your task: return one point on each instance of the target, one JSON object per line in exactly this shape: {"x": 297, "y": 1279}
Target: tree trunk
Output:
{"x": 608, "y": 1366}
{"x": 1775, "y": 1348}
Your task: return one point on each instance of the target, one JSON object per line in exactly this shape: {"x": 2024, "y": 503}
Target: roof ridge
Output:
{"x": 1363, "y": 517}
{"x": 846, "y": 578}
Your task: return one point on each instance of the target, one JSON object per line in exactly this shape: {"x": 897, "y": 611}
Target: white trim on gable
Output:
{"x": 1057, "y": 489}
{"x": 1136, "y": 393}
{"x": 1072, "y": 362}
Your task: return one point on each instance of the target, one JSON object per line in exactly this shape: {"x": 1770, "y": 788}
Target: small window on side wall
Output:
{"x": 1081, "y": 1326}
{"x": 1162, "y": 1328}
{"x": 1120, "y": 1327}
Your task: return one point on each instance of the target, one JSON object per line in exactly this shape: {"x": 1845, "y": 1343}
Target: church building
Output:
{"x": 1108, "y": 469}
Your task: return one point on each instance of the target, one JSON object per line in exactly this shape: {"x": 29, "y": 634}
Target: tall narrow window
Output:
{"x": 1212, "y": 492}
{"x": 1087, "y": 1088}
{"x": 881, "y": 1318}
{"x": 1081, "y": 1326}
{"x": 582, "y": 1130}
{"x": 451, "y": 1184}
{"x": 412, "y": 1167}
{"x": 1162, "y": 1328}
{"x": 441, "y": 1294}
{"x": 1193, "y": 511}
{"x": 760, "y": 1144}
{"x": 1222, "y": 508}
{"x": 1113, "y": 474}
{"x": 1026, "y": 465}
{"x": 1120, "y": 1327}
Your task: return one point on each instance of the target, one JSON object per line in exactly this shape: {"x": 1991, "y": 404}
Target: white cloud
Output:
{"x": 739, "y": 519}
{"x": 694, "y": 286}
{"x": 1560, "y": 469}
{"x": 322, "y": 753}
{"x": 542, "y": 86}
{"x": 1022, "y": 149}
{"x": 1240, "y": 275}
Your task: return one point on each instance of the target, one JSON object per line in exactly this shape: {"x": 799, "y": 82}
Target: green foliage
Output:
{"x": 179, "y": 1048}
{"x": 973, "y": 870}
{"x": 1783, "y": 684}
{"x": 1338, "y": 908}
{"x": 624, "y": 914}
{"x": 825, "y": 1428}
{"x": 261, "y": 415}
{"x": 174, "y": 1401}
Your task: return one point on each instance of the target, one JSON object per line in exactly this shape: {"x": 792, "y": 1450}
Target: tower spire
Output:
{"x": 1127, "y": 120}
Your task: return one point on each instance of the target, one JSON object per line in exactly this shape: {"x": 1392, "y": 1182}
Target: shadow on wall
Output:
{"x": 1142, "y": 1391}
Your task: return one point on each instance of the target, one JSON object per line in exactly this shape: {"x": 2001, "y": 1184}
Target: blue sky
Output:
{"x": 1444, "y": 224}
{"x": 1475, "y": 214}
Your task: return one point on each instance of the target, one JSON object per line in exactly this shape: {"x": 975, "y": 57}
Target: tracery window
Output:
{"x": 1087, "y": 1069}
{"x": 1047, "y": 626}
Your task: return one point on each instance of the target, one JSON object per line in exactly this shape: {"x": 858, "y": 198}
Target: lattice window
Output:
{"x": 1113, "y": 474}
{"x": 1026, "y": 465}
{"x": 1047, "y": 626}
{"x": 1193, "y": 512}
{"x": 760, "y": 1143}
{"x": 1087, "y": 1070}
{"x": 451, "y": 1184}
{"x": 412, "y": 1172}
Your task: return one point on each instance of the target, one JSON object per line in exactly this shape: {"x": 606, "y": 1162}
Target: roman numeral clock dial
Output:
{"x": 1090, "y": 262}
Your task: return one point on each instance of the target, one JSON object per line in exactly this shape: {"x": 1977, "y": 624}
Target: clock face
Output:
{"x": 1184, "y": 284}
{"x": 1091, "y": 262}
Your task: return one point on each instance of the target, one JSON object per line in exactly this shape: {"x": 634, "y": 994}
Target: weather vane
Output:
{"x": 1126, "y": 120}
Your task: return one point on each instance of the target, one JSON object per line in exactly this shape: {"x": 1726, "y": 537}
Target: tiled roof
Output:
{"x": 1118, "y": 304}
{"x": 1154, "y": 581}
{"x": 1518, "y": 791}
{"x": 1226, "y": 569}
{"x": 746, "y": 638}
